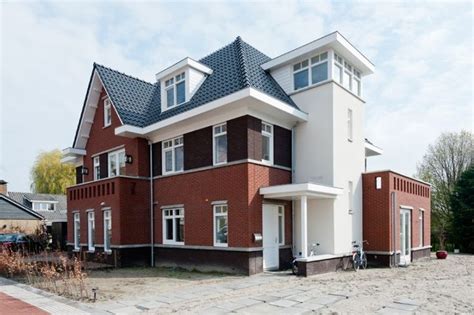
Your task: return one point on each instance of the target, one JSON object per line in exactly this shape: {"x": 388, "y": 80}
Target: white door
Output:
{"x": 271, "y": 254}
{"x": 405, "y": 236}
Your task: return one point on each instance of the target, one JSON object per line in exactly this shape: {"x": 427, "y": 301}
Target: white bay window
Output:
{"x": 346, "y": 75}
{"x": 310, "y": 71}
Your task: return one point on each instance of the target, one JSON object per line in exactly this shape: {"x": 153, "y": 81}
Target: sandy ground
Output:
{"x": 437, "y": 285}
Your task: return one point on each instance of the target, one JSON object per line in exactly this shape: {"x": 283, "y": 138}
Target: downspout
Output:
{"x": 152, "y": 216}
{"x": 394, "y": 250}
{"x": 293, "y": 131}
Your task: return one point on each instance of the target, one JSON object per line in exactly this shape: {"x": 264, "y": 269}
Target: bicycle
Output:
{"x": 359, "y": 258}
{"x": 294, "y": 263}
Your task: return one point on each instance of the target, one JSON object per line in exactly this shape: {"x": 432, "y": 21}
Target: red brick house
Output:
{"x": 226, "y": 163}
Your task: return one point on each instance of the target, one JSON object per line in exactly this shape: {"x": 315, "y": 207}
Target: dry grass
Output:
{"x": 59, "y": 274}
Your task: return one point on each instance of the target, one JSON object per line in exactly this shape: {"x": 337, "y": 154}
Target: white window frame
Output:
{"x": 311, "y": 62}
{"x": 281, "y": 214}
{"x": 77, "y": 228}
{"x": 221, "y": 131}
{"x": 90, "y": 235}
{"x": 107, "y": 217}
{"x": 107, "y": 112}
{"x": 378, "y": 182}
{"x": 350, "y": 125}
{"x": 96, "y": 165}
{"x": 421, "y": 228}
{"x": 350, "y": 196}
{"x": 171, "y": 83}
{"x": 170, "y": 213}
{"x": 268, "y": 134}
{"x": 214, "y": 217}
{"x": 43, "y": 205}
{"x": 348, "y": 68}
{"x": 171, "y": 145}
{"x": 117, "y": 161}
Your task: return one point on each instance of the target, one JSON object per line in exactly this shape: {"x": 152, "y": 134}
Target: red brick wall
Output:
{"x": 129, "y": 204}
{"x": 238, "y": 184}
{"x": 377, "y": 224}
{"x": 102, "y": 139}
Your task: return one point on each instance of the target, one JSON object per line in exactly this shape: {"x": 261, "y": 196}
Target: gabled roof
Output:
{"x": 25, "y": 199}
{"x": 11, "y": 209}
{"x": 234, "y": 67}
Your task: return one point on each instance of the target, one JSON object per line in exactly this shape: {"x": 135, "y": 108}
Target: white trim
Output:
{"x": 117, "y": 162}
{"x": 201, "y": 247}
{"x": 107, "y": 112}
{"x": 181, "y": 64}
{"x": 333, "y": 40}
{"x": 321, "y": 257}
{"x": 77, "y": 240}
{"x": 133, "y": 131}
{"x": 90, "y": 225}
{"x": 172, "y": 148}
{"x": 406, "y": 207}
{"x": 214, "y": 136}
{"x": 105, "y": 218}
{"x": 173, "y": 217}
{"x": 214, "y": 216}
{"x": 172, "y": 206}
{"x": 108, "y": 150}
{"x": 421, "y": 248}
{"x": 219, "y": 202}
{"x": 270, "y": 135}
{"x": 306, "y": 189}
{"x": 282, "y": 215}
{"x": 372, "y": 150}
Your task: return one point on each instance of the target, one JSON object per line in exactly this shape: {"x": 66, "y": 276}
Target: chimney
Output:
{"x": 3, "y": 187}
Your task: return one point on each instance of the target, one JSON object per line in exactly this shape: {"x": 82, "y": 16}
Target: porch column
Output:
{"x": 304, "y": 226}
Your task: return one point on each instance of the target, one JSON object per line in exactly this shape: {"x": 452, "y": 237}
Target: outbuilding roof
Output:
{"x": 58, "y": 215}
{"x": 12, "y": 210}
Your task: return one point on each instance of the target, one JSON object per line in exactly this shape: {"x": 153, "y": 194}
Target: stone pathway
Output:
{"x": 38, "y": 301}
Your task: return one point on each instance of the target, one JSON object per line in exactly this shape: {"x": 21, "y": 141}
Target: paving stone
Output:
{"x": 213, "y": 311}
{"x": 388, "y": 310}
{"x": 167, "y": 299}
{"x": 265, "y": 298}
{"x": 284, "y": 303}
{"x": 247, "y": 301}
{"x": 109, "y": 305}
{"x": 126, "y": 310}
{"x": 308, "y": 305}
{"x": 407, "y": 301}
{"x": 261, "y": 308}
{"x": 404, "y": 307}
{"x": 229, "y": 306}
{"x": 326, "y": 299}
{"x": 151, "y": 305}
{"x": 300, "y": 297}
{"x": 285, "y": 293}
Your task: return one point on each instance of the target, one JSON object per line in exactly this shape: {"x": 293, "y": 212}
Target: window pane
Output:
{"x": 266, "y": 148}
{"x": 319, "y": 73}
{"x": 178, "y": 155}
{"x": 221, "y": 229}
{"x": 170, "y": 97}
{"x": 112, "y": 165}
{"x": 179, "y": 229}
{"x": 346, "y": 80}
{"x": 337, "y": 74}
{"x": 301, "y": 79}
{"x": 180, "y": 94}
{"x": 121, "y": 163}
{"x": 169, "y": 229}
{"x": 323, "y": 56}
{"x": 168, "y": 161}
{"x": 280, "y": 229}
{"x": 221, "y": 149}
{"x": 356, "y": 87}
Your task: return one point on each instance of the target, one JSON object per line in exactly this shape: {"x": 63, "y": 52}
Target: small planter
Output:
{"x": 441, "y": 254}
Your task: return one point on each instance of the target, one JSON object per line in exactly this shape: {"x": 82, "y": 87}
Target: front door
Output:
{"x": 405, "y": 236}
{"x": 271, "y": 254}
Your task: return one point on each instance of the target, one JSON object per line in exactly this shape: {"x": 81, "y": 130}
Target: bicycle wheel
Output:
{"x": 364, "y": 261}
{"x": 294, "y": 268}
{"x": 356, "y": 261}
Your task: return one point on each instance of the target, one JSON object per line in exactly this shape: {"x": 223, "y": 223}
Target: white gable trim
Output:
{"x": 181, "y": 64}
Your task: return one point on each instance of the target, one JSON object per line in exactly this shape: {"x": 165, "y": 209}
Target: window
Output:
{"x": 349, "y": 125}
{"x": 220, "y": 144}
{"x": 173, "y": 226}
{"x": 175, "y": 90}
{"x": 91, "y": 230}
{"x": 421, "y": 228}
{"x": 350, "y": 199}
{"x": 96, "y": 168}
{"x": 173, "y": 155}
{"x": 347, "y": 75}
{"x": 107, "y": 230}
{"x": 117, "y": 163}
{"x": 267, "y": 142}
{"x": 220, "y": 225}
{"x": 107, "y": 113}
{"x": 303, "y": 74}
{"x": 281, "y": 225}
{"x": 77, "y": 231}
{"x": 44, "y": 206}
{"x": 378, "y": 182}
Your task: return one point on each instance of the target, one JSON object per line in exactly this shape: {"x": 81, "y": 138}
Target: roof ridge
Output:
{"x": 122, "y": 73}
{"x": 242, "y": 62}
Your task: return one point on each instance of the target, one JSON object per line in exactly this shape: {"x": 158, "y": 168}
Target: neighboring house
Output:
{"x": 54, "y": 210}
{"x": 235, "y": 162}
{"x": 15, "y": 217}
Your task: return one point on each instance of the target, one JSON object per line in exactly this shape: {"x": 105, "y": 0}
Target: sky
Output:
{"x": 422, "y": 51}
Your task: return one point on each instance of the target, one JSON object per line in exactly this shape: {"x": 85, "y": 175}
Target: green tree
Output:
{"x": 49, "y": 175}
{"x": 462, "y": 205}
{"x": 442, "y": 165}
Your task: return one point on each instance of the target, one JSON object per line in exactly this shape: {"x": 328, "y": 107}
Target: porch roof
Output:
{"x": 293, "y": 191}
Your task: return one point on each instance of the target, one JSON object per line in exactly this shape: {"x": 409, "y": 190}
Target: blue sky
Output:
{"x": 422, "y": 51}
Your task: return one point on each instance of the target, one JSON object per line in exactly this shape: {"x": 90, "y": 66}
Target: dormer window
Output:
{"x": 347, "y": 75}
{"x": 310, "y": 71}
{"x": 107, "y": 113}
{"x": 175, "y": 90}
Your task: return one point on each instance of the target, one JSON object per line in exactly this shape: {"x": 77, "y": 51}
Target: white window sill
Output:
{"x": 173, "y": 173}
{"x": 173, "y": 243}
{"x": 104, "y": 127}
{"x": 220, "y": 245}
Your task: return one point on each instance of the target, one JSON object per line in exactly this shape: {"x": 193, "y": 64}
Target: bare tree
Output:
{"x": 442, "y": 165}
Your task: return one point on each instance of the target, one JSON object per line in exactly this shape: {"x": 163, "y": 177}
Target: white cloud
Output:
{"x": 422, "y": 52}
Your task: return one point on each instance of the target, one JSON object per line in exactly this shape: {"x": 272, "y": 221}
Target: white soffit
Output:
{"x": 186, "y": 62}
{"x": 335, "y": 41}
{"x": 290, "y": 191}
{"x": 372, "y": 150}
